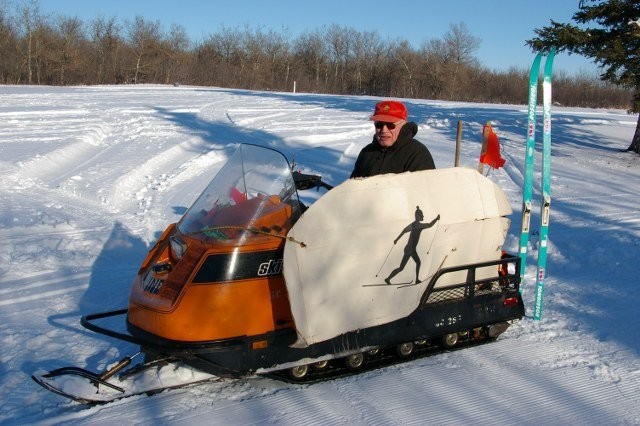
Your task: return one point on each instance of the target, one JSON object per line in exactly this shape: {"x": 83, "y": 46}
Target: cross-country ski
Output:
{"x": 529, "y": 177}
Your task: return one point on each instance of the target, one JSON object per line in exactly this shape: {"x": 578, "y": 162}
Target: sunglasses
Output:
{"x": 380, "y": 124}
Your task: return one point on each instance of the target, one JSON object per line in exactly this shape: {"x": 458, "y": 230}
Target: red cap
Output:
{"x": 389, "y": 111}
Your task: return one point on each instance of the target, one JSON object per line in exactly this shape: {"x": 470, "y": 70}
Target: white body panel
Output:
{"x": 336, "y": 282}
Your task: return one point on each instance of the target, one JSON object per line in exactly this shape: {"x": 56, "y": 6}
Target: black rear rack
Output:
{"x": 470, "y": 287}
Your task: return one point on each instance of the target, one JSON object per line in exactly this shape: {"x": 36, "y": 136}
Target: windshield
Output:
{"x": 254, "y": 191}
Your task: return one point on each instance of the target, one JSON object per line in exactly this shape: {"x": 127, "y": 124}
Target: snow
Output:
{"x": 90, "y": 176}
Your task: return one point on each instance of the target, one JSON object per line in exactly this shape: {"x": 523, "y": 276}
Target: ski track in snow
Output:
{"x": 91, "y": 175}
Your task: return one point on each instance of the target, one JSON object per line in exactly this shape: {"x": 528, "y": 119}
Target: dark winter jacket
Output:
{"x": 405, "y": 155}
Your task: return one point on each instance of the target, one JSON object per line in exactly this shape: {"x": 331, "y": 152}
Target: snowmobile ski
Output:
{"x": 545, "y": 204}
{"x": 91, "y": 388}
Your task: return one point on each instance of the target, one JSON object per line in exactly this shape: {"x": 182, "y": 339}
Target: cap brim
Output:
{"x": 385, "y": 118}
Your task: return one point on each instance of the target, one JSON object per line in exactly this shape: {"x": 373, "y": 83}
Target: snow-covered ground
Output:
{"x": 89, "y": 176}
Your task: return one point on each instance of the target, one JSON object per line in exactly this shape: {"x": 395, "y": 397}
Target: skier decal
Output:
{"x": 414, "y": 229}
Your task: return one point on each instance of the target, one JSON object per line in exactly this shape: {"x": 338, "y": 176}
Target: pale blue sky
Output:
{"x": 502, "y": 25}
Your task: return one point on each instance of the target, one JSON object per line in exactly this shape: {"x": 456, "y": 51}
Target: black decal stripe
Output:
{"x": 235, "y": 266}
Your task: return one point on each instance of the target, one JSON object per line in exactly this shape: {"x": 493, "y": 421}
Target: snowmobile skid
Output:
{"x": 218, "y": 295}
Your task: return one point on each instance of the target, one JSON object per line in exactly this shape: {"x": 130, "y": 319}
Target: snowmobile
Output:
{"x": 251, "y": 281}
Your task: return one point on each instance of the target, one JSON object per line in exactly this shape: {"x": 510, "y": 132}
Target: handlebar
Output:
{"x": 304, "y": 181}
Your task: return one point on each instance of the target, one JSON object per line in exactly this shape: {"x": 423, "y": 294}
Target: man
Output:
{"x": 393, "y": 149}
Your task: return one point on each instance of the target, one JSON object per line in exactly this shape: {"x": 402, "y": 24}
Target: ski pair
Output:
{"x": 527, "y": 193}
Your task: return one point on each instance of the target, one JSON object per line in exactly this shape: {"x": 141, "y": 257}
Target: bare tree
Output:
{"x": 276, "y": 48}
{"x": 106, "y": 46}
{"x": 253, "y": 43}
{"x": 227, "y": 46}
{"x": 68, "y": 48}
{"x": 29, "y": 20}
{"x": 367, "y": 50}
{"x": 436, "y": 60}
{"x": 409, "y": 63}
{"x": 143, "y": 38}
{"x": 8, "y": 47}
{"x": 312, "y": 54}
{"x": 461, "y": 47}
{"x": 176, "y": 52}
{"x": 340, "y": 44}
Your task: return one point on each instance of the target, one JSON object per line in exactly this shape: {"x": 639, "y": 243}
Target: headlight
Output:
{"x": 178, "y": 247}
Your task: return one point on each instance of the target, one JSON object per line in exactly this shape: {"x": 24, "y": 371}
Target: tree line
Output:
{"x": 62, "y": 50}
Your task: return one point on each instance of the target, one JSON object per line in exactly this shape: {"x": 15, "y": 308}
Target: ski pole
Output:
{"x": 434, "y": 237}
{"x": 385, "y": 260}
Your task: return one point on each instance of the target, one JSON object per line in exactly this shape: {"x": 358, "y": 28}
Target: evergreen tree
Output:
{"x": 613, "y": 42}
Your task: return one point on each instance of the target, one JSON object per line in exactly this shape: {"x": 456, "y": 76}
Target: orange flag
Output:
{"x": 491, "y": 156}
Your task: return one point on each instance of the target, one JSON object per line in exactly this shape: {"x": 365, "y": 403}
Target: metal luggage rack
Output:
{"x": 473, "y": 287}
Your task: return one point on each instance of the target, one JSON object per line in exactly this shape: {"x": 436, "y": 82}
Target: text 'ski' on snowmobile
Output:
{"x": 250, "y": 281}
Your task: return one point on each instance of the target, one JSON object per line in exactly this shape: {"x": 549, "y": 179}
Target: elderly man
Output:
{"x": 393, "y": 149}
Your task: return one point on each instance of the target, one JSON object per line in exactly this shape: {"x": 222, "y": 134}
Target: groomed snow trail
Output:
{"x": 89, "y": 177}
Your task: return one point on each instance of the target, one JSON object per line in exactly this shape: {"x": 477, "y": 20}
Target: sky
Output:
{"x": 502, "y": 25}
